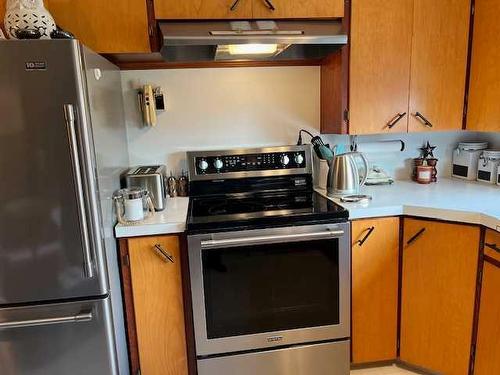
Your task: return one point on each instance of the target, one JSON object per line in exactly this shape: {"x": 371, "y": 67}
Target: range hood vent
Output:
{"x": 192, "y": 41}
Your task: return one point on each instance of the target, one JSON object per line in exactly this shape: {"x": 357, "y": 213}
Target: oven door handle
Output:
{"x": 258, "y": 240}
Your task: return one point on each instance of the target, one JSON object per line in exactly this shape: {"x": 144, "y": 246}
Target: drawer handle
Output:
{"x": 395, "y": 120}
{"x": 164, "y": 254}
{"x": 424, "y": 120}
{"x": 368, "y": 234}
{"x": 416, "y": 236}
{"x": 269, "y": 4}
{"x": 234, "y": 6}
{"x": 493, "y": 246}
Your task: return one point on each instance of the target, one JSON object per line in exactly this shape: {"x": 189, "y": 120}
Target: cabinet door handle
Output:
{"x": 234, "y": 6}
{"x": 368, "y": 234}
{"x": 164, "y": 254}
{"x": 424, "y": 120}
{"x": 415, "y": 236}
{"x": 269, "y": 4}
{"x": 395, "y": 120}
{"x": 493, "y": 246}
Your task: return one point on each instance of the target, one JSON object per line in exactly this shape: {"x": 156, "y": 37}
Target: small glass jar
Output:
{"x": 424, "y": 174}
{"x": 133, "y": 205}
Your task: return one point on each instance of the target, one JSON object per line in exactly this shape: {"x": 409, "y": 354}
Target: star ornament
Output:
{"x": 428, "y": 151}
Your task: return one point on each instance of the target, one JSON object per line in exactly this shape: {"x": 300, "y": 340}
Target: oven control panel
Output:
{"x": 213, "y": 163}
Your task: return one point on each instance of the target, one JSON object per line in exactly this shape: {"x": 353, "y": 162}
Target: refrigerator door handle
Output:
{"x": 82, "y": 317}
{"x": 69, "y": 116}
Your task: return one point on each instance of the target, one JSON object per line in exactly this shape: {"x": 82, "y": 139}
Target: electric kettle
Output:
{"x": 344, "y": 177}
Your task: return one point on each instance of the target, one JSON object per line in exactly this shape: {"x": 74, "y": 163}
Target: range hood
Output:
{"x": 192, "y": 41}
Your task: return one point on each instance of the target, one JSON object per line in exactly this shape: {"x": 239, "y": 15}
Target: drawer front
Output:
{"x": 492, "y": 244}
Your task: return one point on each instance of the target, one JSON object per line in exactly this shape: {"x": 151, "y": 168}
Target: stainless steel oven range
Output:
{"x": 269, "y": 265}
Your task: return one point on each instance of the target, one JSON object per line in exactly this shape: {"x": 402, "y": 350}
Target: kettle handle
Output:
{"x": 367, "y": 167}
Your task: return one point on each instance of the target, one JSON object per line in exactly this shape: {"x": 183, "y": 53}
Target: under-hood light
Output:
{"x": 252, "y": 49}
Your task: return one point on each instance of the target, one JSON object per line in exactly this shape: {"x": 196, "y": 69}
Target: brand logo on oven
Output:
{"x": 36, "y": 65}
{"x": 274, "y": 339}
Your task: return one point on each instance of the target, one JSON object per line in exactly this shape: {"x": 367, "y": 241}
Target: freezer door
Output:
{"x": 50, "y": 241}
{"x": 71, "y": 338}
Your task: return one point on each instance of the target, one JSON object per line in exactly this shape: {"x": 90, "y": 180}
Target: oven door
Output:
{"x": 270, "y": 287}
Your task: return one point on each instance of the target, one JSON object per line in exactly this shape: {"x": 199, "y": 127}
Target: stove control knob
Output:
{"x": 203, "y": 165}
{"x": 285, "y": 160}
{"x": 218, "y": 164}
{"x": 299, "y": 159}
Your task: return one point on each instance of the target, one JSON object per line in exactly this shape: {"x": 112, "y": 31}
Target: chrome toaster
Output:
{"x": 151, "y": 178}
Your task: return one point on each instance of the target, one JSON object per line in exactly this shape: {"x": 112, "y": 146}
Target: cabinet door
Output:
{"x": 488, "y": 335}
{"x": 484, "y": 91}
{"x": 104, "y": 26}
{"x": 375, "y": 253}
{"x": 2, "y": 13}
{"x": 298, "y": 8}
{"x": 380, "y": 65}
{"x": 492, "y": 244}
{"x": 438, "y": 64}
{"x": 202, "y": 9}
{"x": 438, "y": 291}
{"x": 158, "y": 304}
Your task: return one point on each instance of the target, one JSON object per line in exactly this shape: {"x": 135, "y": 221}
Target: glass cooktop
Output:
{"x": 262, "y": 210}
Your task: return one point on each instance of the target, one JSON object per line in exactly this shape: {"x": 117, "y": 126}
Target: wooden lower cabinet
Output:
{"x": 439, "y": 278}
{"x": 488, "y": 337}
{"x": 154, "y": 268}
{"x": 374, "y": 289}
{"x": 492, "y": 244}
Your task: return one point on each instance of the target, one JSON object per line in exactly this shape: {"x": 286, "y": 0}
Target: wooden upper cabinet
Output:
{"x": 2, "y": 12}
{"x": 488, "y": 335}
{"x": 484, "y": 90}
{"x": 202, "y": 9}
{"x": 104, "y": 26}
{"x": 439, "y": 64}
{"x": 375, "y": 264}
{"x": 158, "y": 304}
{"x": 438, "y": 295}
{"x": 248, "y": 9}
{"x": 298, "y": 8}
{"x": 381, "y": 34}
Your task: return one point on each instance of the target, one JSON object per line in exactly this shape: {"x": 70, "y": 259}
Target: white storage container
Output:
{"x": 487, "y": 166}
{"x": 465, "y": 159}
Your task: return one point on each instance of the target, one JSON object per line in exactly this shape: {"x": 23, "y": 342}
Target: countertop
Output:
{"x": 448, "y": 199}
{"x": 171, "y": 220}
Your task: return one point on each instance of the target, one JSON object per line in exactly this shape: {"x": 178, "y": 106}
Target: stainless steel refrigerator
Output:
{"x": 62, "y": 149}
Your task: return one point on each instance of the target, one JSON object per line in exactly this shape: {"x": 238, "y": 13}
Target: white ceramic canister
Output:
{"x": 28, "y": 15}
{"x": 465, "y": 159}
{"x": 487, "y": 166}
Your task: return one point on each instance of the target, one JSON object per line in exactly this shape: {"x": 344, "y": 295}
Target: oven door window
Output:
{"x": 273, "y": 287}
